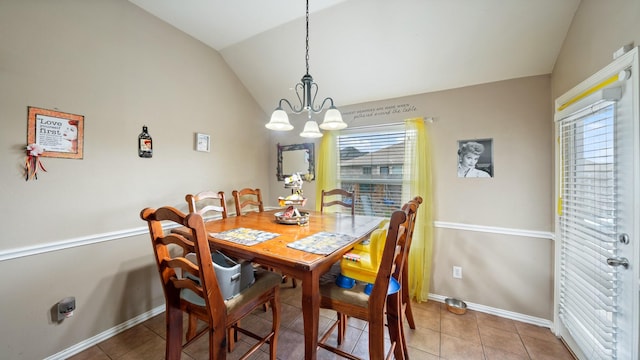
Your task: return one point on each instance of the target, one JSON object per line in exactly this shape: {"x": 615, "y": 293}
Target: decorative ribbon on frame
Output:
{"x": 32, "y": 162}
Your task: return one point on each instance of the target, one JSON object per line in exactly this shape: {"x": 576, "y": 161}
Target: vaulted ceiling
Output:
{"x": 367, "y": 50}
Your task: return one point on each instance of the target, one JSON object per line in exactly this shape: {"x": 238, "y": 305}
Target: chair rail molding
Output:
{"x": 16, "y": 253}
{"x": 495, "y": 230}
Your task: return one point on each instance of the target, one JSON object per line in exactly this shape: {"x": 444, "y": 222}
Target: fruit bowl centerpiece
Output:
{"x": 292, "y": 216}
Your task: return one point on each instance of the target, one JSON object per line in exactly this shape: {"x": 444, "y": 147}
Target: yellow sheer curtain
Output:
{"x": 327, "y": 169}
{"x": 417, "y": 181}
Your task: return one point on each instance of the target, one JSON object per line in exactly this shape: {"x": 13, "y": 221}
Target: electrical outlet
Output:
{"x": 457, "y": 272}
{"x": 66, "y": 307}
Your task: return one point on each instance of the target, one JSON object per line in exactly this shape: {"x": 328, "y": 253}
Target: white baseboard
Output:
{"x": 83, "y": 345}
{"x": 500, "y": 312}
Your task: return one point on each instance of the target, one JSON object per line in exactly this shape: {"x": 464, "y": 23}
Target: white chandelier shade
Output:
{"x": 311, "y": 130}
{"x": 279, "y": 121}
{"x": 333, "y": 120}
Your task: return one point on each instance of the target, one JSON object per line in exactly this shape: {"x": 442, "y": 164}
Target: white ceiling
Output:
{"x": 367, "y": 50}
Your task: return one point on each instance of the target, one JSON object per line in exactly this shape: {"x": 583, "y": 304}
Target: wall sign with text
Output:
{"x": 60, "y": 134}
{"x": 203, "y": 142}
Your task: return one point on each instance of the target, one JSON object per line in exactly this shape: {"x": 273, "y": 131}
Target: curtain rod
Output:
{"x": 589, "y": 91}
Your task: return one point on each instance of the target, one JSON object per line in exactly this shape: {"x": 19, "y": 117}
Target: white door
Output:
{"x": 597, "y": 226}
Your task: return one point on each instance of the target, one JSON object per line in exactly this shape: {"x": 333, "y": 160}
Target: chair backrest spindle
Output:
{"x": 247, "y": 197}
{"x": 347, "y": 199}
{"x": 207, "y": 201}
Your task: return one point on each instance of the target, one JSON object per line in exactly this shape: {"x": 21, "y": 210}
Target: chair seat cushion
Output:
{"x": 264, "y": 280}
{"x": 354, "y": 296}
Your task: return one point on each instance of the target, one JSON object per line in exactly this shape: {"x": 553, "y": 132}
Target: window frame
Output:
{"x": 389, "y": 184}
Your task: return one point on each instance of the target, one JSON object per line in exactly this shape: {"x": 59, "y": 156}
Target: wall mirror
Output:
{"x": 296, "y": 158}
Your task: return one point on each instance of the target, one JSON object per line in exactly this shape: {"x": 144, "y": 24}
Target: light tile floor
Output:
{"x": 439, "y": 334}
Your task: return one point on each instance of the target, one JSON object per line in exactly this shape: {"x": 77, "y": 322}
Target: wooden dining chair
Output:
{"x": 193, "y": 288}
{"x": 405, "y": 241}
{"x": 373, "y": 308}
{"x": 207, "y": 202}
{"x": 347, "y": 199}
{"x": 248, "y": 197}
{"x": 253, "y": 198}
{"x": 406, "y": 238}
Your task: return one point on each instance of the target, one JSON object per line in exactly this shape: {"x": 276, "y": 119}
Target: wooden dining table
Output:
{"x": 303, "y": 265}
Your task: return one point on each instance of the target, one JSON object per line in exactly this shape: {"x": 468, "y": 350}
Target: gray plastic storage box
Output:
{"x": 228, "y": 275}
{"x": 232, "y": 276}
{"x": 247, "y": 277}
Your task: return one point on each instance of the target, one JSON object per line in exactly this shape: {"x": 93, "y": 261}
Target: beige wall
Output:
{"x": 599, "y": 28}
{"x": 507, "y": 272}
{"x": 121, "y": 68}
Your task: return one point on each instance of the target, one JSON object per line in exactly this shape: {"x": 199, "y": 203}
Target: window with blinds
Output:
{"x": 588, "y": 298}
{"x": 371, "y": 164}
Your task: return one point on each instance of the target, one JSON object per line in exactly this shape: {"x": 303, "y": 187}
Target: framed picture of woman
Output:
{"x": 475, "y": 158}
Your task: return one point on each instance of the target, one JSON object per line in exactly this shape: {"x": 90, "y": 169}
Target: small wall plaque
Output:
{"x": 203, "y": 142}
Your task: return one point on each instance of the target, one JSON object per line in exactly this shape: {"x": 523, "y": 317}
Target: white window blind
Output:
{"x": 371, "y": 164}
{"x": 588, "y": 297}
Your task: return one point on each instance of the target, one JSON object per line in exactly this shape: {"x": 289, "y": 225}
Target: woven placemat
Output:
{"x": 323, "y": 243}
{"x": 244, "y": 236}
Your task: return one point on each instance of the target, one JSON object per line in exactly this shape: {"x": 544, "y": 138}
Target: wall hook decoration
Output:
{"x": 32, "y": 162}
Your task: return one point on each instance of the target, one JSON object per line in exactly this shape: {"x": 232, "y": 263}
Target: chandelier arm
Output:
{"x": 319, "y": 109}
{"x": 293, "y": 109}
{"x": 300, "y": 93}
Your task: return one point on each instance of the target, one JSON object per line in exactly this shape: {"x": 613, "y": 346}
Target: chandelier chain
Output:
{"x": 306, "y": 91}
{"x": 307, "y": 40}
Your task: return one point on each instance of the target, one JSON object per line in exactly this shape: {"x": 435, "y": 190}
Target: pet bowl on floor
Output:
{"x": 456, "y": 306}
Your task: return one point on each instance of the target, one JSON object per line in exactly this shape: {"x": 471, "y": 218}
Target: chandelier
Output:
{"x": 306, "y": 90}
